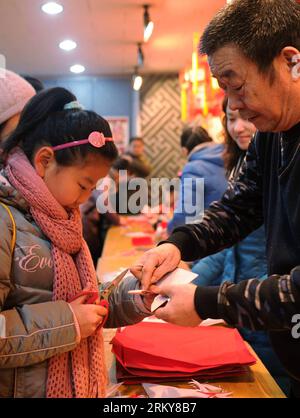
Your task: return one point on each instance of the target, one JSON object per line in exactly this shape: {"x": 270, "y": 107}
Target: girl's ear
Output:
{"x": 43, "y": 158}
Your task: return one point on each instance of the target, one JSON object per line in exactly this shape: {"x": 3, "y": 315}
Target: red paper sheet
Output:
{"x": 202, "y": 346}
{"x": 137, "y": 241}
{"x": 128, "y": 358}
{"x": 133, "y": 376}
{"x": 157, "y": 352}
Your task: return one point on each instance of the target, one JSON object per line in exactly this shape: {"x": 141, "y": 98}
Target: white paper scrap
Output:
{"x": 163, "y": 391}
{"x": 177, "y": 277}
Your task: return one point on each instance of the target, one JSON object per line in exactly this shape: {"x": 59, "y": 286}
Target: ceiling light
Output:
{"x": 77, "y": 69}
{"x": 68, "y": 45}
{"x": 52, "y": 8}
{"x": 148, "y": 24}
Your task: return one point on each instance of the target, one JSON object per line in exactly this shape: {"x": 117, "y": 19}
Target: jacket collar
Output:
{"x": 199, "y": 147}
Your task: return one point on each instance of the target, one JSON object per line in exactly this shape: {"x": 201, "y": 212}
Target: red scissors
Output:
{"x": 92, "y": 296}
{"x": 105, "y": 292}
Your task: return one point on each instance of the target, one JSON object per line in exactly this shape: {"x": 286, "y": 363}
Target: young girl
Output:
{"x": 48, "y": 346}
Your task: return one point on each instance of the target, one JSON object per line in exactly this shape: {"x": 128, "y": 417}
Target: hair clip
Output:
{"x": 96, "y": 139}
{"x": 73, "y": 105}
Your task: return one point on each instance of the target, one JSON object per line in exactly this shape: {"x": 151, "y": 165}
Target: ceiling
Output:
{"x": 106, "y": 31}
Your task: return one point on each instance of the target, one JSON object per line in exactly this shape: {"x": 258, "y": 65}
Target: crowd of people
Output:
{"x": 243, "y": 245}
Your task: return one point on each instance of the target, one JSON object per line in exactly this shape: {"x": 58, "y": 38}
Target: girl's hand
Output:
{"x": 89, "y": 317}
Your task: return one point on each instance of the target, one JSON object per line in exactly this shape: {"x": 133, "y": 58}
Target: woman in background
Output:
{"x": 204, "y": 162}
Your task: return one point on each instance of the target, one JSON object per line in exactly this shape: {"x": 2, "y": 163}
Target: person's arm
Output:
{"x": 268, "y": 304}
{"x": 113, "y": 218}
{"x": 126, "y": 309}
{"x": 228, "y": 221}
{"x": 272, "y": 304}
{"x": 147, "y": 166}
{"x": 30, "y": 334}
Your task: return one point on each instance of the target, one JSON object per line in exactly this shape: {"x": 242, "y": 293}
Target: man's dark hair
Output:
{"x": 260, "y": 28}
{"x": 136, "y": 138}
{"x": 186, "y": 133}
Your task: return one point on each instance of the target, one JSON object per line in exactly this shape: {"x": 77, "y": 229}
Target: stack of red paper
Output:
{"x": 155, "y": 352}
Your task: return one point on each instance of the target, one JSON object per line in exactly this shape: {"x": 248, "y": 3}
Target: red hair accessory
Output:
{"x": 96, "y": 139}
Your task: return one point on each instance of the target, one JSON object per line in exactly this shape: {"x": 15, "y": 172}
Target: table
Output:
{"x": 118, "y": 252}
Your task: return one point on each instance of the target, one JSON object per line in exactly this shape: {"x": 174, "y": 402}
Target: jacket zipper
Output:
{"x": 291, "y": 159}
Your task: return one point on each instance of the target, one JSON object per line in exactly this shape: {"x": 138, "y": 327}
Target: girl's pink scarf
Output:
{"x": 81, "y": 372}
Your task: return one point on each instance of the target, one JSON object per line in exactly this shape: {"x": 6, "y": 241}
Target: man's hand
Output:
{"x": 155, "y": 263}
{"x": 180, "y": 310}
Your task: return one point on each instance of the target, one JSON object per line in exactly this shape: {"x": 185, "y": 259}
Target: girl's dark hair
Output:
{"x": 136, "y": 138}
{"x": 191, "y": 137}
{"x": 45, "y": 122}
{"x": 232, "y": 151}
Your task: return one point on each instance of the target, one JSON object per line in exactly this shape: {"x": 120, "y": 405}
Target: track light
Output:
{"x": 141, "y": 57}
{"x": 137, "y": 80}
{"x": 148, "y": 24}
{"x": 52, "y": 8}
